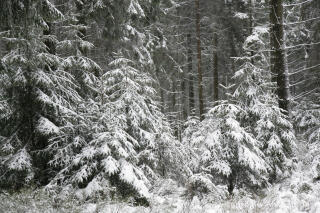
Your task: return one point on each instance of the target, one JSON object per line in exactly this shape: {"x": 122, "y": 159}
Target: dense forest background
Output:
{"x": 112, "y": 97}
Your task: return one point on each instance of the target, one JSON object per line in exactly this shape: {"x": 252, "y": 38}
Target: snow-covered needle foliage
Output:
{"x": 249, "y": 141}
{"x": 177, "y": 106}
{"x": 73, "y": 48}
{"x": 230, "y": 153}
{"x": 38, "y": 95}
{"x": 308, "y": 121}
{"x": 125, "y": 142}
{"x": 131, "y": 142}
{"x": 264, "y": 119}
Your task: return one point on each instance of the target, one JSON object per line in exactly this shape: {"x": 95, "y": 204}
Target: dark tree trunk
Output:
{"x": 174, "y": 104}
{"x": 82, "y": 32}
{"x": 162, "y": 101}
{"x": 190, "y": 73}
{"x": 250, "y": 5}
{"x": 200, "y": 89}
{"x": 183, "y": 96}
{"x": 231, "y": 182}
{"x": 278, "y": 54}
{"x": 215, "y": 69}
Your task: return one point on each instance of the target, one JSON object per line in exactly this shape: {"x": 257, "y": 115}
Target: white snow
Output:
{"x": 135, "y": 8}
{"x": 241, "y": 15}
{"x": 90, "y": 208}
{"x": 128, "y": 174}
{"x": 110, "y": 165}
{"x": 20, "y": 161}
{"x": 46, "y": 127}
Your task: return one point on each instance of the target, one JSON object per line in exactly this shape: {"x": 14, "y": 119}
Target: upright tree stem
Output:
{"x": 215, "y": 69}
{"x": 278, "y": 54}
{"x": 200, "y": 89}
{"x": 190, "y": 73}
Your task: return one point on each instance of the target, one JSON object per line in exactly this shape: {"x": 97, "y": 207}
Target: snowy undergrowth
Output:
{"x": 294, "y": 196}
{"x": 297, "y": 194}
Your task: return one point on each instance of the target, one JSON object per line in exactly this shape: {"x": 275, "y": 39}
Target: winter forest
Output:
{"x": 160, "y": 106}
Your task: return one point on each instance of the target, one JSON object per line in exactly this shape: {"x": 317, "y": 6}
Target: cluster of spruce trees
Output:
{"x": 99, "y": 96}
{"x": 67, "y": 120}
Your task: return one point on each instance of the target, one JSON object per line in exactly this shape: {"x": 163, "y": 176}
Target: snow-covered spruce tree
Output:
{"x": 37, "y": 93}
{"x": 230, "y": 153}
{"x": 74, "y": 49}
{"x": 263, "y": 118}
{"x": 191, "y": 127}
{"x": 130, "y": 142}
{"x": 252, "y": 122}
{"x": 233, "y": 155}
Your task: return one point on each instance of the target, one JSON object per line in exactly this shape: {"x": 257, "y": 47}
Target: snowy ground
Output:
{"x": 299, "y": 194}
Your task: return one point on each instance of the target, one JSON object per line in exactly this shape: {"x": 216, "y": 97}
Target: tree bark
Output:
{"x": 174, "y": 107}
{"x": 200, "y": 89}
{"x": 190, "y": 73}
{"x": 231, "y": 181}
{"x": 250, "y": 7}
{"x": 215, "y": 69}
{"x": 278, "y": 54}
{"x": 184, "y": 113}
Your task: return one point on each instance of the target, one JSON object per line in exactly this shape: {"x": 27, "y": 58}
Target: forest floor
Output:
{"x": 297, "y": 194}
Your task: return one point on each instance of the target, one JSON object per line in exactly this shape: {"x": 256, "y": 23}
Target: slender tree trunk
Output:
{"x": 231, "y": 181}
{"x": 183, "y": 109}
{"x": 215, "y": 69}
{"x": 200, "y": 89}
{"x": 278, "y": 54}
{"x": 173, "y": 94}
{"x": 231, "y": 36}
{"x": 82, "y": 32}
{"x": 162, "y": 102}
{"x": 250, "y": 17}
{"x": 183, "y": 96}
{"x": 190, "y": 73}
{"x": 232, "y": 67}
{"x": 250, "y": 5}
{"x": 174, "y": 108}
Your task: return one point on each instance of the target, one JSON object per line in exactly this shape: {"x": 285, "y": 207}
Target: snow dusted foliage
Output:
{"x": 308, "y": 121}
{"x": 276, "y": 132}
{"x": 229, "y": 152}
{"x": 249, "y": 141}
{"x": 130, "y": 141}
{"x": 75, "y": 47}
{"x": 191, "y": 127}
{"x": 38, "y": 93}
{"x": 264, "y": 118}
